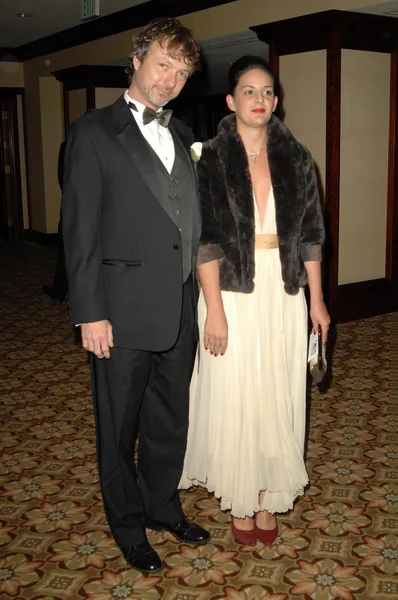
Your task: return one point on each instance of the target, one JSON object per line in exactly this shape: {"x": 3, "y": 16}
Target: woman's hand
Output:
{"x": 320, "y": 316}
{"x": 216, "y": 331}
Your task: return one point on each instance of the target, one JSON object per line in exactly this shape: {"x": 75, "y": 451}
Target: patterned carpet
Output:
{"x": 339, "y": 542}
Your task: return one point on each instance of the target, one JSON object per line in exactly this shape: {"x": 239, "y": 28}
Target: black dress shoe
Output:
{"x": 185, "y": 531}
{"x": 143, "y": 558}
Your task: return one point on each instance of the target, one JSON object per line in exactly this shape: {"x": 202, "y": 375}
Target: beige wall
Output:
{"x": 303, "y": 78}
{"x": 11, "y": 74}
{"x": 211, "y": 23}
{"x": 364, "y": 164}
{"x": 106, "y": 96}
{"x": 51, "y": 130}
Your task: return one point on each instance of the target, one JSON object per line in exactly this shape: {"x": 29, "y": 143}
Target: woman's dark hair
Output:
{"x": 170, "y": 32}
{"x": 244, "y": 64}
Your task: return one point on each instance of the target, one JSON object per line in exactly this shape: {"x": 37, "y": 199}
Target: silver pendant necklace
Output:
{"x": 253, "y": 155}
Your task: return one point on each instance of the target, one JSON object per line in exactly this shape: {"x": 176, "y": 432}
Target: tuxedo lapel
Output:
{"x": 137, "y": 147}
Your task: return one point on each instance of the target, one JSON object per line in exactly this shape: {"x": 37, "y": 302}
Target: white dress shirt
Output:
{"x": 156, "y": 135}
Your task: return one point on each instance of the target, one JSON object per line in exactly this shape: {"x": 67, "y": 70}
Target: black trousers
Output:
{"x": 149, "y": 390}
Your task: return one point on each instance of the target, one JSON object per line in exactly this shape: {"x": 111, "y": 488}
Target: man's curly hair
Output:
{"x": 178, "y": 39}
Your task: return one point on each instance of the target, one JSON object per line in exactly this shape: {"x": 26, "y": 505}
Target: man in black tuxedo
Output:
{"x": 131, "y": 226}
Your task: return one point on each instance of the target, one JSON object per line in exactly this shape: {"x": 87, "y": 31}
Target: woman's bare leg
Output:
{"x": 264, "y": 519}
{"x": 245, "y": 524}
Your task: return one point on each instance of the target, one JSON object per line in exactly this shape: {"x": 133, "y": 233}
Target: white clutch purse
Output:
{"x": 317, "y": 356}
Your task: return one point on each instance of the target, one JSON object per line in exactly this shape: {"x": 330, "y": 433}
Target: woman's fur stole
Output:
{"x": 228, "y": 211}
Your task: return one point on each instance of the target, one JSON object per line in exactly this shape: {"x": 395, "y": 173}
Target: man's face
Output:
{"x": 158, "y": 78}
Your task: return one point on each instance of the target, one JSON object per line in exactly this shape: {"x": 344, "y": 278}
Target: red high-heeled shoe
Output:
{"x": 266, "y": 536}
{"x": 248, "y": 538}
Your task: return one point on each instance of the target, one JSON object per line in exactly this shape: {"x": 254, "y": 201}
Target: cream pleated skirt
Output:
{"x": 247, "y": 408}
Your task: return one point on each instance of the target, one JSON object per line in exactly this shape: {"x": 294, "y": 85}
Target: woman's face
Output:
{"x": 254, "y": 99}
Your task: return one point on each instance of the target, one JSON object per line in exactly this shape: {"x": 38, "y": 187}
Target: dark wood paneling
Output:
{"x": 65, "y": 95}
{"x": 392, "y": 197}
{"x": 90, "y": 97}
{"x": 15, "y": 163}
{"x": 332, "y": 169}
{"x": 12, "y": 213}
{"x": 273, "y": 59}
{"x": 334, "y": 30}
{"x": 7, "y": 53}
{"x": 130, "y": 18}
{"x": 365, "y": 299}
{"x": 38, "y": 237}
{"x": 25, "y": 135}
{"x": 76, "y": 78}
{"x": 312, "y": 32}
{"x": 9, "y": 92}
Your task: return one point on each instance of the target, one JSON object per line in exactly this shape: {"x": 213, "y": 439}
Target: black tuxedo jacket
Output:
{"x": 61, "y": 161}
{"x": 122, "y": 245}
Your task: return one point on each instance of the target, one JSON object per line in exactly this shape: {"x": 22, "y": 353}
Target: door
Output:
{"x": 11, "y": 215}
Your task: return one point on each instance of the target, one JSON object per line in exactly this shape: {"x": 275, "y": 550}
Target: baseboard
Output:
{"x": 365, "y": 299}
{"x": 38, "y": 237}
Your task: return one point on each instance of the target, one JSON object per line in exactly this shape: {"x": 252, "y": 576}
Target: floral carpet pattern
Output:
{"x": 339, "y": 542}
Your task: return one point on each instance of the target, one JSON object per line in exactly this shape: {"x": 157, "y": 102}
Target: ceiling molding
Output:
{"x": 7, "y": 53}
{"x": 129, "y": 18}
{"x": 356, "y": 31}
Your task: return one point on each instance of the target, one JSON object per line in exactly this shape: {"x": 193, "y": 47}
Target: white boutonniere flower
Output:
{"x": 196, "y": 151}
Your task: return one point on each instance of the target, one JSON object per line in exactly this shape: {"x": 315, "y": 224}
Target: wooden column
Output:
{"x": 87, "y": 78}
{"x": 332, "y": 169}
{"x": 334, "y": 31}
{"x": 392, "y": 201}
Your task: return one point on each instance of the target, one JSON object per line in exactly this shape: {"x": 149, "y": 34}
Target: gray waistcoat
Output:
{"x": 180, "y": 190}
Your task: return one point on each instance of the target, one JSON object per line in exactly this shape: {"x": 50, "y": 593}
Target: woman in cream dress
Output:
{"x": 261, "y": 243}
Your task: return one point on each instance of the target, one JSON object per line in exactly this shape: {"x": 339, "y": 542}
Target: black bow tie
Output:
{"x": 163, "y": 117}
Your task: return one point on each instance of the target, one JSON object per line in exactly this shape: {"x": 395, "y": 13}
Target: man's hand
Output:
{"x": 97, "y": 338}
